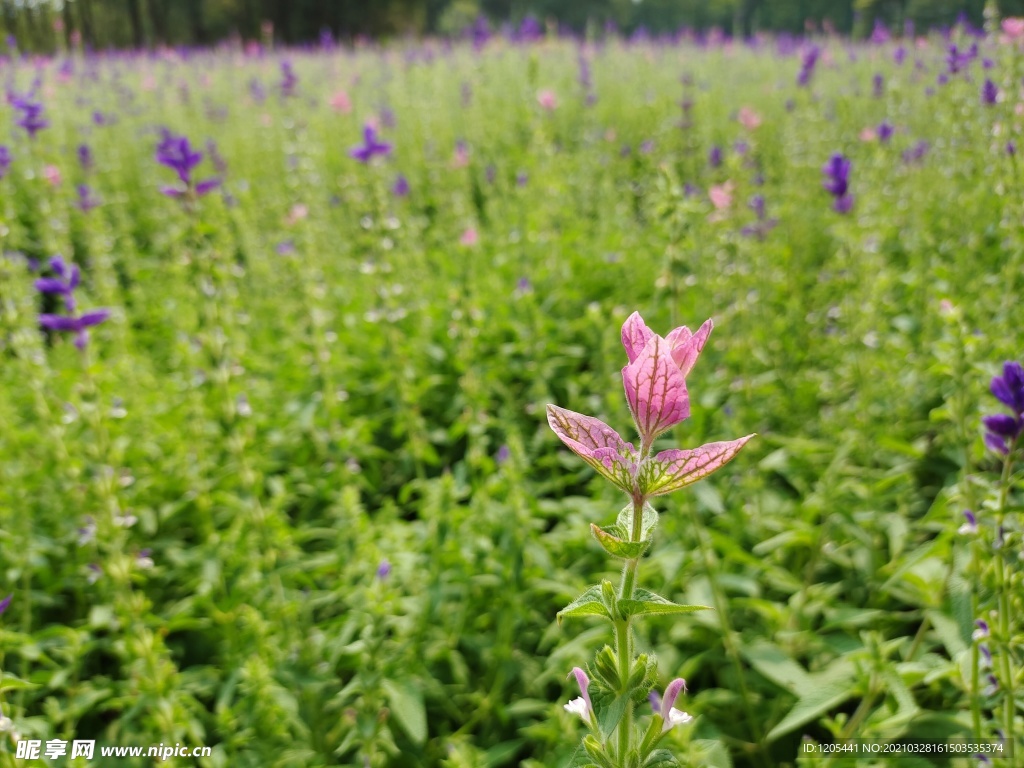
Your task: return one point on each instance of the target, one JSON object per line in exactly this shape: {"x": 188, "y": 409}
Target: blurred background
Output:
{"x": 49, "y": 24}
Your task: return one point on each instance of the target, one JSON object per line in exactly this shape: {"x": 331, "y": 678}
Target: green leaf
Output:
{"x": 828, "y": 689}
{"x": 587, "y": 604}
{"x": 9, "y": 682}
{"x": 647, "y": 522}
{"x": 646, "y": 603}
{"x": 406, "y": 704}
{"x": 713, "y": 754}
{"x": 772, "y": 662}
{"x": 615, "y": 542}
{"x": 609, "y": 716}
{"x": 661, "y": 758}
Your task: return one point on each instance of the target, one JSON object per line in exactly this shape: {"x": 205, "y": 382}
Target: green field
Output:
{"x": 306, "y": 378}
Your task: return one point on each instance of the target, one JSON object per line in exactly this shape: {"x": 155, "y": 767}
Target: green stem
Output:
{"x": 1009, "y": 700}
{"x": 624, "y": 638}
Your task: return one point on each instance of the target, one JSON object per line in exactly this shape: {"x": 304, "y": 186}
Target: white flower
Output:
{"x": 578, "y": 706}
{"x": 675, "y": 717}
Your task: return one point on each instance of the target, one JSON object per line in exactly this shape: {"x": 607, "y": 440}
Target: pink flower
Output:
{"x": 655, "y": 383}
{"x": 460, "y": 158}
{"x": 52, "y": 175}
{"x": 749, "y": 119}
{"x": 1013, "y": 28}
{"x": 721, "y": 195}
{"x": 469, "y": 237}
{"x": 547, "y": 99}
{"x": 341, "y": 102}
{"x": 868, "y": 134}
{"x": 296, "y": 214}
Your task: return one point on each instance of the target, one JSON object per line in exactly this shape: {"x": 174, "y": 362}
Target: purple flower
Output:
{"x": 522, "y": 179}
{"x": 85, "y": 157}
{"x": 982, "y": 630}
{"x": 144, "y": 559}
{"x": 76, "y": 325}
{"x": 807, "y": 65}
{"x": 289, "y": 79}
{"x": 479, "y": 32}
{"x": 993, "y": 685}
{"x": 5, "y": 160}
{"x": 970, "y": 525}
{"x": 177, "y": 154}
{"x": 899, "y": 55}
{"x": 401, "y": 186}
{"x": 958, "y": 60}
{"x": 31, "y": 119}
{"x": 371, "y": 146}
{"x": 87, "y": 532}
{"x": 880, "y": 34}
{"x": 715, "y": 156}
{"x": 1011, "y": 150}
{"x": 989, "y": 93}
{"x": 878, "y": 86}
{"x": 986, "y": 656}
{"x": 837, "y": 181}
{"x": 917, "y": 152}
{"x": 666, "y": 706}
{"x": 1003, "y": 430}
{"x": 885, "y": 131}
{"x": 65, "y": 283}
{"x": 6, "y": 602}
{"x": 502, "y": 455}
{"x": 581, "y": 706}
{"x": 757, "y": 206}
{"x": 383, "y": 570}
{"x": 87, "y": 200}
{"x": 530, "y": 30}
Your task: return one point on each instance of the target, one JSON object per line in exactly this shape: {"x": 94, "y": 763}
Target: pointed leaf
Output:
{"x": 587, "y": 604}
{"x": 608, "y": 716}
{"x": 596, "y": 443}
{"x": 828, "y": 690}
{"x": 613, "y": 542}
{"x": 635, "y": 335}
{"x": 624, "y": 522}
{"x": 406, "y": 703}
{"x": 671, "y": 470}
{"x": 660, "y": 758}
{"x": 646, "y": 603}
{"x": 655, "y": 389}
{"x": 686, "y": 346}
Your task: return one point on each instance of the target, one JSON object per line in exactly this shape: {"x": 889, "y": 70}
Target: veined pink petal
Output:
{"x": 686, "y": 347}
{"x": 671, "y": 470}
{"x": 596, "y": 443}
{"x": 635, "y": 335}
{"x": 655, "y": 389}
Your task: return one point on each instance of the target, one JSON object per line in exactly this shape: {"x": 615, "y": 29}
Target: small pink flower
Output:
{"x": 547, "y": 99}
{"x": 749, "y": 119}
{"x": 52, "y": 175}
{"x": 469, "y": 237}
{"x": 266, "y": 120}
{"x": 341, "y": 102}
{"x": 296, "y": 214}
{"x": 721, "y": 195}
{"x": 460, "y": 158}
{"x": 1013, "y": 28}
{"x": 149, "y": 83}
{"x": 868, "y": 134}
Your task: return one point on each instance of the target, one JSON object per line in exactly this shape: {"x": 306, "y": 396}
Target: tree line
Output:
{"x": 47, "y": 25}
